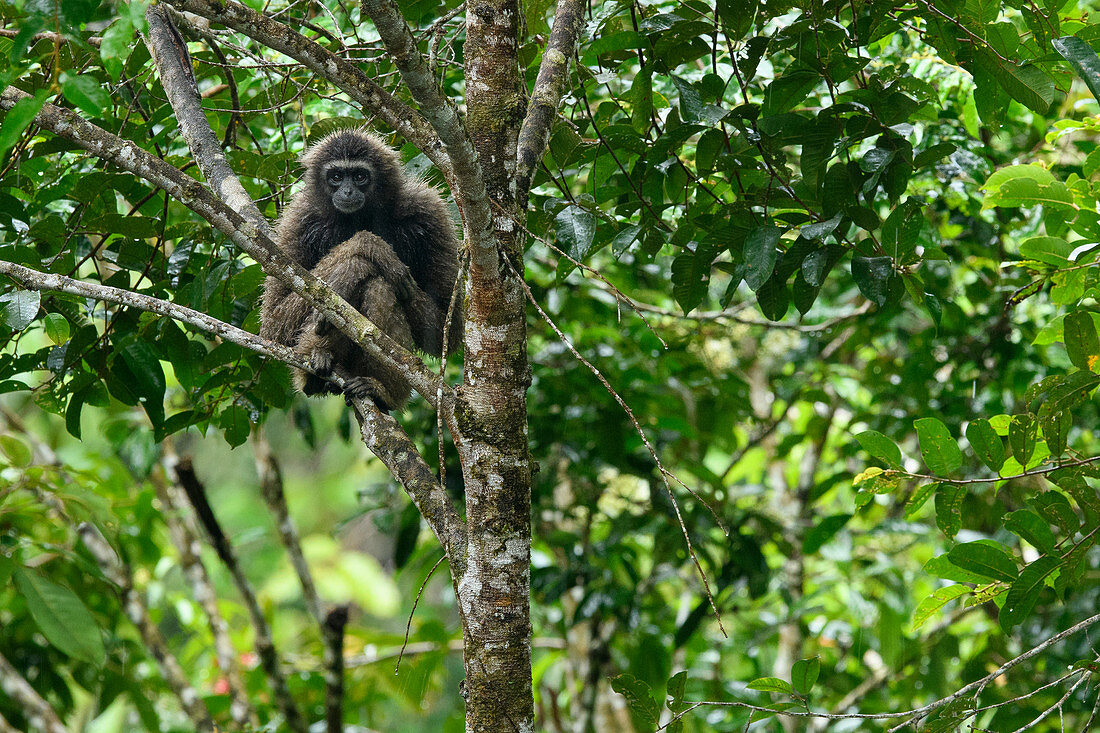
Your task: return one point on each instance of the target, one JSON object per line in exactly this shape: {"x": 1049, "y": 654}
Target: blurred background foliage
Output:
{"x": 801, "y": 201}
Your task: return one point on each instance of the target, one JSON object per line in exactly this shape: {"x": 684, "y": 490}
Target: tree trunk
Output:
{"x": 494, "y": 591}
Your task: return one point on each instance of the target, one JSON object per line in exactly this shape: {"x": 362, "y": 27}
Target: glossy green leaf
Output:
{"x": 61, "y": 617}
{"x": 1024, "y": 593}
{"x": 771, "y": 684}
{"x": 986, "y": 443}
{"x": 116, "y": 45}
{"x": 1055, "y": 428}
{"x": 17, "y": 119}
{"x": 1029, "y": 526}
{"x": 1082, "y": 343}
{"x": 86, "y": 93}
{"x": 920, "y": 497}
{"x": 57, "y": 327}
{"x": 881, "y": 447}
{"x": 1055, "y": 509}
{"x": 985, "y": 560}
{"x": 1028, "y": 84}
{"x": 1022, "y": 435}
{"x": 804, "y": 675}
{"x": 872, "y": 276}
{"x": 933, "y": 603}
{"x": 760, "y": 255}
{"x": 639, "y": 696}
{"x": 901, "y": 230}
{"x": 940, "y": 451}
{"x": 949, "y": 499}
{"x": 575, "y": 227}
{"x": 18, "y": 308}
{"x": 1082, "y": 59}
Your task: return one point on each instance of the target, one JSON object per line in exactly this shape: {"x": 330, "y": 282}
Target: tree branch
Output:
{"x": 244, "y": 234}
{"x": 391, "y": 444}
{"x": 381, "y": 433}
{"x": 189, "y": 482}
{"x": 344, "y": 74}
{"x": 441, "y": 112}
{"x": 39, "y": 712}
{"x": 30, "y": 279}
{"x": 546, "y": 96}
{"x": 169, "y": 52}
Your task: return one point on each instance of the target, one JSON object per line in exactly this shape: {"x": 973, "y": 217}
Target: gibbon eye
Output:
{"x": 360, "y": 178}
{"x": 335, "y": 177}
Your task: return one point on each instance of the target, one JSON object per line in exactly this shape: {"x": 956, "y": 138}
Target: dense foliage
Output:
{"x": 838, "y": 258}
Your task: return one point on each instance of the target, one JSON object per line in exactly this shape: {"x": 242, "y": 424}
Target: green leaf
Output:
{"x": 771, "y": 684}
{"x": 940, "y": 451}
{"x": 901, "y": 230}
{"x": 234, "y": 421}
{"x": 1022, "y": 435}
{"x": 872, "y": 276}
{"x": 85, "y": 93}
{"x": 1082, "y": 343}
{"x": 674, "y": 690}
{"x": 1055, "y": 508}
{"x": 919, "y": 498}
{"x": 1083, "y": 60}
{"x": 19, "y": 308}
{"x": 641, "y": 99}
{"x": 18, "y": 118}
{"x": 57, "y": 328}
{"x": 1024, "y": 593}
{"x": 1030, "y": 526}
{"x": 1029, "y": 85}
{"x": 985, "y": 560}
{"x": 575, "y": 227}
{"x": 61, "y": 617}
{"x": 985, "y": 442}
{"x": 1050, "y": 250}
{"x": 933, "y": 154}
{"x": 787, "y": 91}
{"x": 1056, "y": 427}
{"x": 804, "y": 674}
{"x": 16, "y": 450}
{"x": 639, "y": 696}
{"x": 940, "y": 598}
{"x": 774, "y": 298}
{"x": 760, "y": 255}
{"x": 949, "y": 508}
{"x": 116, "y": 46}
{"x": 881, "y": 447}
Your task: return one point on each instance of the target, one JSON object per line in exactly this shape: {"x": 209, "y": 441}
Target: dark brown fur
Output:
{"x": 395, "y": 259}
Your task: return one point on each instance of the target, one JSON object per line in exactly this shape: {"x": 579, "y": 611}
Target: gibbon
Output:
{"x": 380, "y": 238}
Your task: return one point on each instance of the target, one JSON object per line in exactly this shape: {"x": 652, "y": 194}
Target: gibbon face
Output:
{"x": 348, "y": 184}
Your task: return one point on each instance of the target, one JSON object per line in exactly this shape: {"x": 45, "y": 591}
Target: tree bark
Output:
{"x": 494, "y": 592}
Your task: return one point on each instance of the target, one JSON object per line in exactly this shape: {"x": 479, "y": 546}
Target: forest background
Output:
{"x": 811, "y": 295}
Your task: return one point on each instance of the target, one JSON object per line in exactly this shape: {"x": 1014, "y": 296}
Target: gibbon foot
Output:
{"x": 364, "y": 387}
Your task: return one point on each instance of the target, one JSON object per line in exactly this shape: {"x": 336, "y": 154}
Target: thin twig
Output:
{"x": 665, "y": 473}
{"x": 620, "y": 296}
{"x": 408, "y": 626}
